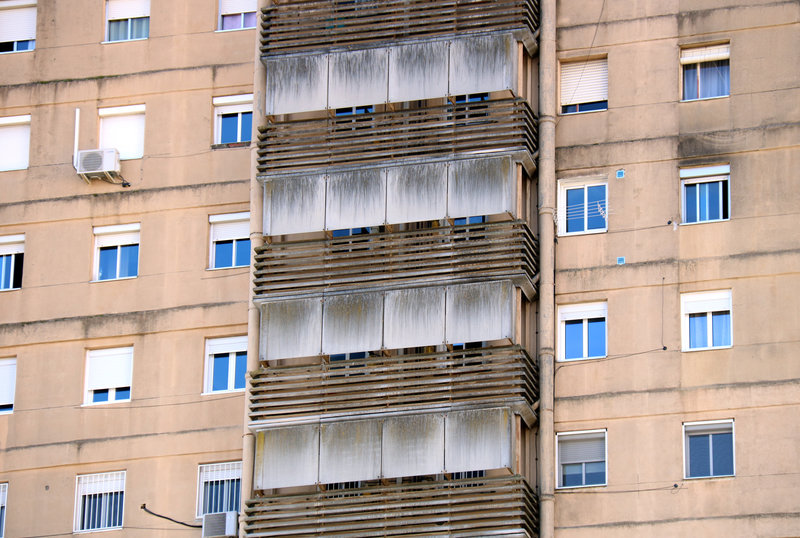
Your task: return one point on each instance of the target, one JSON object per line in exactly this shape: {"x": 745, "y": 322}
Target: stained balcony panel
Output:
{"x": 482, "y": 63}
{"x": 414, "y": 317}
{"x": 291, "y": 329}
{"x": 297, "y": 83}
{"x": 350, "y": 451}
{"x": 482, "y": 187}
{"x": 417, "y": 193}
{"x": 356, "y": 198}
{"x": 477, "y": 312}
{"x": 358, "y": 77}
{"x": 352, "y": 322}
{"x": 294, "y": 456}
{"x": 295, "y": 205}
{"x": 478, "y": 438}
{"x": 418, "y": 71}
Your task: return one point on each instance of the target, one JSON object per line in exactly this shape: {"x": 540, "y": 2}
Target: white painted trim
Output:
{"x": 117, "y": 228}
{"x": 229, "y": 217}
{"x": 701, "y": 171}
{"x": 233, "y": 99}
{"x": 711, "y": 424}
{"x": 587, "y": 434}
{"x": 16, "y": 120}
{"x": 120, "y": 110}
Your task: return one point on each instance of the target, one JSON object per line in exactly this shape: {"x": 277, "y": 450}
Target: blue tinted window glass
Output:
{"x": 714, "y": 79}
{"x": 220, "y": 376}
{"x": 250, "y": 19}
{"x": 241, "y": 368}
{"x": 699, "y": 456}
{"x": 140, "y": 28}
{"x": 242, "y": 252}
{"x": 569, "y": 109}
{"x": 5, "y": 272}
{"x": 341, "y": 233}
{"x": 596, "y": 207}
{"x": 597, "y": 337}
{"x": 597, "y": 105}
{"x": 25, "y": 45}
{"x": 247, "y": 126}
{"x": 223, "y": 254}
{"x": 690, "y": 81}
{"x": 572, "y": 474}
{"x": 128, "y": 260}
{"x": 100, "y": 395}
{"x": 690, "y": 199}
{"x": 702, "y": 194}
{"x": 107, "y": 266}
{"x": 459, "y": 222}
{"x": 229, "y": 128}
{"x": 122, "y": 393}
{"x": 118, "y": 30}
{"x": 477, "y": 220}
{"x": 575, "y": 210}
{"x": 595, "y": 473}
{"x": 698, "y": 330}
{"x": 721, "y": 328}
{"x": 232, "y": 21}
{"x": 573, "y": 336}
{"x": 722, "y": 453}
{"x": 714, "y": 199}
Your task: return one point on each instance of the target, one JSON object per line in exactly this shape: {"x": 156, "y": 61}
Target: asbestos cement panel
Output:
{"x": 416, "y": 193}
{"x": 482, "y": 64}
{"x": 481, "y": 187}
{"x": 358, "y": 78}
{"x": 297, "y": 84}
{"x": 413, "y": 445}
{"x": 291, "y": 329}
{"x": 295, "y": 205}
{"x": 350, "y": 451}
{"x": 418, "y": 71}
{"x": 414, "y": 317}
{"x": 478, "y": 440}
{"x": 356, "y": 198}
{"x": 287, "y": 457}
{"x": 352, "y": 322}
{"x": 479, "y": 312}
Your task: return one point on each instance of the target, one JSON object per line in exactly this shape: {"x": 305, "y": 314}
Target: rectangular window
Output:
{"x": 17, "y": 26}
{"x": 108, "y": 375}
{"x": 3, "y": 495}
{"x": 582, "y": 206}
{"x": 706, "y": 320}
{"x": 230, "y": 240}
{"x": 708, "y": 449}
{"x": 12, "y": 255}
{"x": 226, "y": 364}
{"x": 233, "y": 118}
{"x": 99, "y": 501}
{"x": 706, "y": 193}
{"x": 15, "y": 140}
{"x": 706, "y": 72}
{"x": 581, "y": 459}
{"x": 584, "y": 86}
{"x": 8, "y": 383}
{"x": 582, "y": 331}
{"x": 219, "y": 488}
{"x": 122, "y": 127}
{"x": 237, "y": 14}
{"x": 116, "y": 252}
{"x": 128, "y": 19}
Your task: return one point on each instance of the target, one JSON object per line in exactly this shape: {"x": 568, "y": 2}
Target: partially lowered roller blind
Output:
{"x": 127, "y": 9}
{"x": 236, "y": 6}
{"x": 18, "y": 24}
{"x": 229, "y": 227}
{"x": 584, "y": 82}
{"x": 581, "y": 448}
{"x": 109, "y": 368}
{"x": 706, "y": 54}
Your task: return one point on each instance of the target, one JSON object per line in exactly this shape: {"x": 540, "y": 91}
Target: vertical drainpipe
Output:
{"x": 546, "y": 321}
{"x": 256, "y": 240}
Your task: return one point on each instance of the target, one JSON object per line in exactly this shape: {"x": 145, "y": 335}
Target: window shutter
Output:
{"x": 706, "y": 54}
{"x": 108, "y": 236}
{"x": 221, "y": 471}
{"x": 584, "y": 82}
{"x": 581, "y": 450}
{"x": 127, "y": 9}
{"x": 226, "y": 345}
{"x": 226, "y": 231}
{"x": 109, "y": 368}
{"x": 8, "y": 377}
{"x": 15, "y": 146}
{"x": 18, "y": 24}
{"x": 126, "y": 133}
{"x": 713, "y": 301}
{"x": 12, "y": 244}
{"x": 236, "y": 6}
{"x": 101, "y": 483}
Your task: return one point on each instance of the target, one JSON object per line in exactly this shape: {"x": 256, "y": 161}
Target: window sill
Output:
{"x": 221, "y": 392}
{"x": 587, "y": 232}
{"x": 567, "y": 488}
{"x": 9, "y": 412}
{"x": 95, "y": 404}
{"x": 712, "y": 348}
{"x": 102, "y": 529}
{"x": 728, "y": 476}
{"x": 124, "y": 40}
{"x": 581, "y": 359}
{"x": 231, "y": 267}
{"x": 703, "y": 222}
{"x": 231, "y": 144}
{"x": 705, "y": 98}
{"x": 114, "y": 279}
{"x": 220, "y": 31}
{"x": 579, "y": 112}
{"x": 9, "y": 289}
{"x": 16, "y": 51}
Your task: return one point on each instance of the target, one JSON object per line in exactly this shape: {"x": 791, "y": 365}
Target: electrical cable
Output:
{"x": 194, "y": 526}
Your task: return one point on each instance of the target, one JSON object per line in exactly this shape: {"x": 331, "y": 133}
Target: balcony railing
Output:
{"x": 500, "y": 250}
{"x": 299, "y": 26}
{"x": 501, "y": 375}
{"x": 297, "y": 145}
{"x": 465, "y": 507}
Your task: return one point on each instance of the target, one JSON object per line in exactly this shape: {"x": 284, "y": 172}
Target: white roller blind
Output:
{"x": 706, "y": 54}
{"x": 580, "y": 449}
{"x": 17, "y": 24}
{"x": 127, "y": 9}
{"x": 584, "y": 82}
{"x": 710, "y": 301}
{"x": 109, "y": 368}
{"x": 8, "y": 377}
{"x": 12, "y": 244}
{"x": 126, "y": 133}
{"x": 221, "y": 471}
{"x": 236, "y": 6}
{"x": 110, "y": 240}
{"x": 15, "y": 146}
{"x": 226, "y": 345}
{"x": 233, "y": 229}
{"x": 101, "y": 483}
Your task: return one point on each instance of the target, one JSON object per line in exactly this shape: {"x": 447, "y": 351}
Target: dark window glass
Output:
{"x": 100, "y": 395}
{"x": 122, "y": 393}
{"x": 699, "y": 455}
{"x": 575, "y": 210}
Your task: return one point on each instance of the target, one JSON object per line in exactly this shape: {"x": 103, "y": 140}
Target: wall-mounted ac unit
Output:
{"x": 221, "y": 525}
{"x": 99, "y": 164}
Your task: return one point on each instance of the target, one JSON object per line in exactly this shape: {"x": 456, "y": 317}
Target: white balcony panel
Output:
{"x": 413, "y": 445}
{"x": 479, "y": 439}
{"x": 482, "y": 64}
{"x": 352, "y": 322}
{"x": 350, "y": 451}
{"x": 297, "y": 84}
{"x": 418, "y": 71}
{"x": 356, "y": 198}
{"x": 414, "y": 317}
{"x": 479, "y": 312}
{"x": 358, "y": 78}
{"x": 416, "y": 193}
{"x": 287, "y": 457}
{"x": 294, "y": 205}
{"x": 481, "y": 187}
{"x": 291, "y": 329}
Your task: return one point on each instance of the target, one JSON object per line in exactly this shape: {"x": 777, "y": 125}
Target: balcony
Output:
{"x": 465, "y": 507}
{"x": 500, "y": 250}
{"x": 499, "y": 125}
{"x": 489, "y": 376}
{"x": 307, "y": 25}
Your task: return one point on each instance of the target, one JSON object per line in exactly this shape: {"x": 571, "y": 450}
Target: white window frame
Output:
{"x": 582, "y": 82}
{"x": 98, "y": 484}
{"x": 115, "y": 235}
{"x": 132, "y": 9}
{"x": 581, "y": 435}
{"x": 230, "y": 345}
{"x": 132, "y": 145}
{"x": 227, "y": 227}
{"x": 11, "y": 245}
{"x": 574, "y": 183}
{"x": 236, "y": 7}
{"x": 581, "y": 311}
{"x": 696, "y": 55}
{"x": 118, "y": 360}
{"x": 8, "y": 384}
{"x": 705, "y": 302}
{"x": 230, "y": 470}
{"x": 18, "y": 24}
{"x": 3, "y": 511}
{"x": 709, "y": 427}
{"x": 704, "y": 174}
{"x": 15, "y": 127}
{"x": 231, "y": 104}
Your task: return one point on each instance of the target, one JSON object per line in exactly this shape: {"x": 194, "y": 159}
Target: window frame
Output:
{"x": 9, "y": 122}
{"x": 232, "y": 104}
{"x": 216, "y": 235}
{"x": 131, "y": 15}
{"x": 705, "y": 174}
{"x": 3, "y": 510}
{"x": 123, "y": 355}
{"x": 118, "y": 235}
{"x": 576, "y": 436}
{"x": 24, "y": 23}
{"x": 106, "y": 117}
{"x": 565, "y": 185}
{"x": 708, "y": 427}
{"x": 110, "y": 478}
{"x": 236, "y": 7}
{"x": 584, "y": 312}
{"x": 218, "y": 346}
{"x": 8, "y": 385}
{"x": 12, "y": 246}
{"x": 707, "y": 302}
{"x": 696, "y": 55}
{"x": 573, "y": 93}
{"x": 227, "y": 468}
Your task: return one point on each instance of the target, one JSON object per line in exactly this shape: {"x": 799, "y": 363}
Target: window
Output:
{"x": 237, "y": 14}
{"x": 3, "y": 494}
{"x": 122, "y": 127}
{"x": 582, "y": 331}
{"x": 219, "y": 488}
{"x": 706, "y": 196}
{"x": 226, "y": 364}
{"x": 99, "y": 501}
{"x": 128, "y": 19}
{"x": 116, "y": 251}
{"x": 12, "y": 254}
{"x": 17, "y": 25}
{"x": 233, "y": 119}
{"x": 108, "y": 375}
{"x": 583, "y": 206}
{"x": 15, "y": 139}
{"x": 706, "y": 320}
{"x": 706, "y": 72}
{"x": 708, "y": 449}
{"x": 230, "y": 240}
{"x": 581, "y": 459}
{"x": 8, "y": 382}
{"x": 584, "y": 86}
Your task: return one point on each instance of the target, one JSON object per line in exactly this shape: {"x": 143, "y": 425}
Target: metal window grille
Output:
{"x": 99, "y": 501}
{"x": 219, "y": 488}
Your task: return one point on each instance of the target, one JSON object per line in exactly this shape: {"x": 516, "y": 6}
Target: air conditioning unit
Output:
{"x": 99, "y": 164}
{"x": 221, "y": 525}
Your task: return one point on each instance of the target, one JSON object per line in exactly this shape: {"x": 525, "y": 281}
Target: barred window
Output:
{"x": 99, "y": 501}
{"x": 219, "y": 488}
